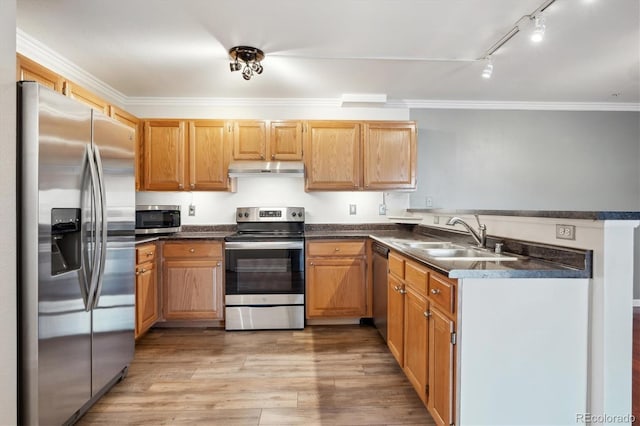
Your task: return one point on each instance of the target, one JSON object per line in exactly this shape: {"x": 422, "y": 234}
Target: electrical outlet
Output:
{"x": 382, "y": 209}
{"x": 352, "y": 209}
{"x": 429, "y": 201}
{"x": 192, "y": 210}
{"x": 436, "y": 220}
{"x": 566, "y": 232}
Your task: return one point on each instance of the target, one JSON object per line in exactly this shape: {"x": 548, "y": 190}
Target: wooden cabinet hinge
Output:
{"x": 453, "y": 338}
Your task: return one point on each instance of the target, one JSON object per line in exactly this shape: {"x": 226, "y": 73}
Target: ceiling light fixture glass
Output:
{"x": 538, "y": 32}
{"x": 488, "y": 68}
{"x": 246, "y": 58}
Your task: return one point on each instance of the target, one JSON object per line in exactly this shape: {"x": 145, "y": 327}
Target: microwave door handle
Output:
{"x": 93, "y": 281}
{"x": 102, "y": 214}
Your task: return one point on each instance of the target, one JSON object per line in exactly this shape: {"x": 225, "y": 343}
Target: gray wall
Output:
{"x": 8, "y": 349}
{"x": 528, "y": 160}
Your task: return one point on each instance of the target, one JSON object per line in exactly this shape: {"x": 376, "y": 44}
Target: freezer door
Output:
{"x": 55, "y": 326}
{"x": 114, "y": 302}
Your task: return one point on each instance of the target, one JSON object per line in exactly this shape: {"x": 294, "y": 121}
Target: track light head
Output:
{"x": 488, "y": 68}
{"x": 538, "y": 32}
{"x": 235, "y": 66}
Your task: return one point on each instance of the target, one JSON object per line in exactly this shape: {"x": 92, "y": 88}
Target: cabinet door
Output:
{"x": 147, "y": 312}
{"x": 285, "y": 140}
{"x": 133, "y": 122}
{"x": 336, "y": 287}
{"x": 441, "y": 367}
{"x": 78, "y": 93}
{"x": 249, "y": 140}
{"x": 416, "y": 338}
{"x": 192, "y": 289}
{"x": 332, "y": 155}
{"x": 208, "y": 155}
{"x": 32, "y": 71}
{"x": 164, "y": 155}
{"x": 389, "y": 155}
{"x": 395, "y": 318}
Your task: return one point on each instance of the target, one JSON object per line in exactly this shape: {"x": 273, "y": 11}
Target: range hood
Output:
{"x": 266, "y": 168}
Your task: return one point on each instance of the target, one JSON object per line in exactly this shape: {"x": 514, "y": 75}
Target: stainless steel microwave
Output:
{"x": 155, "y": 219}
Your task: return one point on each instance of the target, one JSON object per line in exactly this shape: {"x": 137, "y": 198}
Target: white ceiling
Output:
{"x": 406, "y": 49}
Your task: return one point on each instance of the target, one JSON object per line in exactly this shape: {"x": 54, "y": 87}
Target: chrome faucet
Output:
{"x": 480, "y": 236}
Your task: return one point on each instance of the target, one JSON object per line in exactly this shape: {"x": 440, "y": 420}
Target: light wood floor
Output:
{"x": 324, "y": 375}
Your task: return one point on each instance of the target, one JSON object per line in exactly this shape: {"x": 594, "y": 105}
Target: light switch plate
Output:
{"x": 352, "y": 209}
{"x": 192, "y": 210}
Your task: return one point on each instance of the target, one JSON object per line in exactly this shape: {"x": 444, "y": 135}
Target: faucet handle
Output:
{"x": 498, "y": 248}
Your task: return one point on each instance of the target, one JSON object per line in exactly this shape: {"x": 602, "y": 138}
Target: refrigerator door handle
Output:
{"x": 103, "y": 226}
{"x": 95, "y": 213}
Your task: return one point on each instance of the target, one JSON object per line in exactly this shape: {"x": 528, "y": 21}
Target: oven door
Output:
{"x": 264, "y": 268}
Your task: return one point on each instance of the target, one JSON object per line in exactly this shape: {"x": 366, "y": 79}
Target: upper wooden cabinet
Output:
{"x": 76, "y": 92}
{"x": 279, "y": 140}
{"x": 285, "y": 140}
{"x": 208, "y": 155}
{"x": 165, "y": 151}
{"x": 344, "y": 155}
{"x": 133, "y": 122}
{"x": 181, "y": 155}
{"x": 332, "y": 155}
{"x": 26, "y": 69}
{"x": 250, "y": 140}
{"x": 389, "y": 150}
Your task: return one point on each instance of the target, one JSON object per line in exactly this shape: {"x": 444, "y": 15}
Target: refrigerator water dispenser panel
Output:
{"x": 66, "y": 243}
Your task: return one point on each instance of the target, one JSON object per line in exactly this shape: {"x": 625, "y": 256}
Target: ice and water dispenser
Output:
{"x": 66, "y": 241}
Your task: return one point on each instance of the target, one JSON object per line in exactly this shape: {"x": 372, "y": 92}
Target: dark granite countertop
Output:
{"x": 534, "y": 260}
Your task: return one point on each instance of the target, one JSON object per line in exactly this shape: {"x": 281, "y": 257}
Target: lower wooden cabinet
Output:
{"x": 421, "y": 332}
{"x": 395, "y": 318}
{"x": 193, "y": 281}
{"x": 441, "y": 367}
{"x": 337, "y": 280}
{"x": 416, "y": 341}
{"x": 147, "y": 312}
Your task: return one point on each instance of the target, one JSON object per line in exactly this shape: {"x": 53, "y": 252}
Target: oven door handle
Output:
{"x": 263, "y": 245}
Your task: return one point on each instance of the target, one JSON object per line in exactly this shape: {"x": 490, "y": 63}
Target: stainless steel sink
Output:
{"x": 422, "y": 244}
{"x": 462, "y": 254}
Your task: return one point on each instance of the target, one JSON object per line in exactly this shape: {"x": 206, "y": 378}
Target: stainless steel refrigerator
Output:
{"x": 76, "y": 254}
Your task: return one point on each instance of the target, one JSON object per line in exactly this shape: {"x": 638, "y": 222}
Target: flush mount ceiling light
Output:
{"x": 246, "y": 58}
{"x": 538, "y": 32}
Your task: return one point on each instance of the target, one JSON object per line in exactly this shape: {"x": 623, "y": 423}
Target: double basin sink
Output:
{"x": 438, "y": 250}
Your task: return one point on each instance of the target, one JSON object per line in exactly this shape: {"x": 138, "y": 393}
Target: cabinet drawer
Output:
{"x": 145, "y": 253}
{"x": 442, "y": 292}
{"x": 416, "y": 276}
{"x": 396, "y": 265}
{"x": 192, "y": 250}
{"x": 141, "y": 268}
{"x": 336, "y": 248}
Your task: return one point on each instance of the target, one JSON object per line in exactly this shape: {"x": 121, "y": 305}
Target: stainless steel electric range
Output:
{"x": 264, "y": 269}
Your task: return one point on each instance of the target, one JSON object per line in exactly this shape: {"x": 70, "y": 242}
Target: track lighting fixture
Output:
{"x": 538, "y": 32}
{"x": 488, "y": 68}
{"x": 246, "y": 58}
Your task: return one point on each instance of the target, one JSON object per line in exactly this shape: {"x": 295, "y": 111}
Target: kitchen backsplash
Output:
{"x": 321, "y": 207}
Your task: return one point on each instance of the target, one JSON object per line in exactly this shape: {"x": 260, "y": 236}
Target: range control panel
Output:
{"x": 270, "y": 214}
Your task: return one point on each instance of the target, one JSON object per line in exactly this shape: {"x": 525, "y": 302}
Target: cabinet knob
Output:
{"x": 193, "y": 185}
{"x": 180, "y": 186}
{"x": 402, "y": 291}
{"x": 337, "y": 248}
{"x": 310, "y": 263}
{"x": 435, "y": 291}
{"x": 262, "y": 156}
{"x": 426, "y": 314}
{"x": 149, "y": 253}
{"x": 192, "y": 250}
{"x": 218, "y": 264}
{"x": 273, "y": 156}
{"x": 142, "y": 271}
{"x": 137, "y": 272}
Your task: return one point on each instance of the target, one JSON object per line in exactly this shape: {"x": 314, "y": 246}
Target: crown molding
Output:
{"x": 41, "y": 53}
{"x": 44, "y": 55}
{"x": 514, "y": 105}
{"x": 232, "y": 102}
